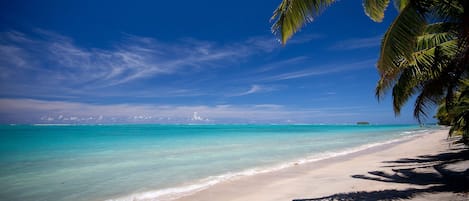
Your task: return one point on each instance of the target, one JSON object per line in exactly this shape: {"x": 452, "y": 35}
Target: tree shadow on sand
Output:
{"x": 434, "y": 173}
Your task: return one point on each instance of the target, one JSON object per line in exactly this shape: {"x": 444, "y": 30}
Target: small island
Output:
{"x": 363, "y": 123}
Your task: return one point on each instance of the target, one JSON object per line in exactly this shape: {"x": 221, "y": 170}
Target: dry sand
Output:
{"x": 415, "y": 169}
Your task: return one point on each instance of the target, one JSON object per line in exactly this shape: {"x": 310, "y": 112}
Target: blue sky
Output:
{"x": 186, "y": 62}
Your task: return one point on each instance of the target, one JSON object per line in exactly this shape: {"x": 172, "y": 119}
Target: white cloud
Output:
{"x": 253, "y": 89}
{"x": 49, "y": 61}
{"x": 37, "y": 111}
{"x": 196, "y": 117}
{"x": 322, "y": 70}
{"x": 272, "y": 106}
{"x": 256, "y": 89}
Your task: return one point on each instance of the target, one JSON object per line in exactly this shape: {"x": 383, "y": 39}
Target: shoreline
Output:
{"x": 325, "y": 176}
{"x": 317, "y": 160}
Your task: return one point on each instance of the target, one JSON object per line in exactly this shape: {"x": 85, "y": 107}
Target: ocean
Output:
{"x": 163, "y": 162}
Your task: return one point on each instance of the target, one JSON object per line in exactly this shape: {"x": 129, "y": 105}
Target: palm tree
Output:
{"x": 430, "y": 72}
{"x": 424, "y": 52}
{"x": 443, "y": 116}
{"x": 460, "y": 122}
{"x": 458, "y": 115}
{"x": 429, "y": 64}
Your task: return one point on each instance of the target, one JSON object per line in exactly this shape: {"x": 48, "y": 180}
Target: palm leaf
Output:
{"x": 389, "y": 78}
{"x": 412, "y": 79}
{"x": 464, "y": 91}
{"x": 400, "y": 39}
{"x": 291, "y": 15}
{"x": 446, "y": 10}
{"x": 440, "y": 27}
{"x": 433, "y": 75}
{"x": 423, "y": 58}
{"x": 375, "y": 9}
{"x": 405, "y": 87}
{"x": 460, "y": 122}
{"x": 430, "y": 94}
{"x": 426, "y": 58}
{"x": 427, "y": 41}
{"x": 400, "y": 4}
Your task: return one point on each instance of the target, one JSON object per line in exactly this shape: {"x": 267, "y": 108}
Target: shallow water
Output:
{"x": 152, "y": 162}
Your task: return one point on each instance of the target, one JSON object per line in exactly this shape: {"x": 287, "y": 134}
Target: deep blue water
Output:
{"x": 101, "y": 162}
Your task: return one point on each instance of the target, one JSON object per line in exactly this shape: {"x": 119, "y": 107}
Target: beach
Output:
{"x": 403, "y": 170}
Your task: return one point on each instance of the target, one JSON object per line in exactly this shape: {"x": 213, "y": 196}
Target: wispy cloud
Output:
{"x": 322, "y": 70}
{"x": 50, "y": 60}
{"x": 357, "y": 43}
{"x": 256, "y": 89}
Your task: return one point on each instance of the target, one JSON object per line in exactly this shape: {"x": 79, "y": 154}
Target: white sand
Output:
{"x": 336, "y": 175}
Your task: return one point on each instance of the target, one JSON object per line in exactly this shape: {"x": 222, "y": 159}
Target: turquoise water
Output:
{"x": 126, "y": 162}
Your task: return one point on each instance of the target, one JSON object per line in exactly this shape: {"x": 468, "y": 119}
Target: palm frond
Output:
{"x": 434, "y": 55}
{"x": 429, "y": 96}
{"x": 415, "y": 77}
{"x": 461, "y": 121}
{"x": 400, "y": 39}
{"x": 405, "y": 87}
{"x": 448, "y": 11}
{"x": 460, "y": 112}
{"x": 427, "y": 41}
{"x": 291, "y": 15}
{"x": 389, "y": 79}
{"x": 440, "y": 27}
{"x": 423, "y": 57}
{"x": 375, "y": 9}
{"x": 400, "y": 4}
{"x": 464, "y": 91}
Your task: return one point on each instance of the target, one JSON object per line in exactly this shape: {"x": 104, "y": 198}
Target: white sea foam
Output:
{"x": 181, "y": 191}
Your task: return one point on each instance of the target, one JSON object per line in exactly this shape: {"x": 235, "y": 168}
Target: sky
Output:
{"x": 187, "y": 62}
